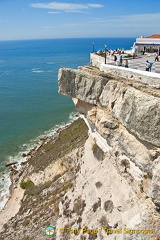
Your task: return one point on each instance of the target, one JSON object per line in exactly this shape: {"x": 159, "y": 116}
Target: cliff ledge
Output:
{"x": 121, "y": 183}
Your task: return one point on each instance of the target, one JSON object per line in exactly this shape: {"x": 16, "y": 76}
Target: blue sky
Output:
{"x": 38, "y": 19}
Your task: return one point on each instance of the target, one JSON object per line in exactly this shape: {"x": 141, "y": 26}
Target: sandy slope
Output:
{"x": 12, "y": 206}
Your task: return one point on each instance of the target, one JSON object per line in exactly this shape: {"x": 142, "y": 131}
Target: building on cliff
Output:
{"x": 147, "y": 44}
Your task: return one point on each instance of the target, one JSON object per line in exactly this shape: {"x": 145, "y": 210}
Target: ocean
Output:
{"x": 30, "y": 105}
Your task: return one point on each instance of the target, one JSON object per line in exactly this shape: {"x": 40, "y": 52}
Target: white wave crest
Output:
{"x": 4, "y": 191}
{"x": 52, "y": 63}
{"x": 37, "y": 71}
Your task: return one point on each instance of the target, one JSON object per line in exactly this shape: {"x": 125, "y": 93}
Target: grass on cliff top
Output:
{"x": 71, "y": 137}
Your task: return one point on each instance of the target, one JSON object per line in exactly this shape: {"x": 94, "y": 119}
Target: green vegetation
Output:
{"x": 127, "y": 56}
{"x": 69, "y": 138}
{"x": 41, "y": 202}
{"x": 33, "y": 198}
{"x": 101, "y": 53}
{"x": 36, "y": 190}
{"x": 27, "y": 184}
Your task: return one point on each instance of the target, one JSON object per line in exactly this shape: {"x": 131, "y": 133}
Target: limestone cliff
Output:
{"x": 118, "y": 184}
{"x": 98, "y": 178}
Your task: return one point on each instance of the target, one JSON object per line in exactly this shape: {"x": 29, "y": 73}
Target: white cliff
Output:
{"x": 98, "y": 178}
{"x": 118, "y": 184}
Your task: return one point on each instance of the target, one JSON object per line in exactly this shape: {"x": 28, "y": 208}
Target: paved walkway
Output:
{"x": 140, "y": 63}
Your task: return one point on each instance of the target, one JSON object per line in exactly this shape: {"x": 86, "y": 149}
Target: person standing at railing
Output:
{"x": 115, "y": 58}
{"x": 120, "y": 59}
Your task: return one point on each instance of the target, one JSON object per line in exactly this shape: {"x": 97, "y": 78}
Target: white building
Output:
{"x": 147, "y": 44}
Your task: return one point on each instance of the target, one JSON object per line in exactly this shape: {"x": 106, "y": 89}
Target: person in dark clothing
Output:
{"x": 156, "y": 57}
{"x": 120, "y": 59}
{"x": 115, "y": 58}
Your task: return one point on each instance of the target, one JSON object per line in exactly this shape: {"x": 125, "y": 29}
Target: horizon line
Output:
{"x": 29, "y": 39}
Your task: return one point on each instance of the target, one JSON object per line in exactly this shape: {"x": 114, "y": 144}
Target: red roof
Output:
{"x": 154, "y": 36}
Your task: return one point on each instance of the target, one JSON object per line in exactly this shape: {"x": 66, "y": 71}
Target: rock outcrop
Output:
{"x": 99, "y": 178}
{"x": 137, "y": 110}
{"x": 121, "y": 183}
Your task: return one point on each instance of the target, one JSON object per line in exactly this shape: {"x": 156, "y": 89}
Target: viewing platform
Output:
{"x": 136, "y": 67}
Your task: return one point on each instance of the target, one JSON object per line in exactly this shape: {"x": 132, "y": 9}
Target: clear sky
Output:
{"x": 37, "y": 19}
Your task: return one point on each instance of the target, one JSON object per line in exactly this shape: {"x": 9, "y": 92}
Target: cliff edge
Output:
{"x": 121, "y": 183}
{"x": 98, "y": 177}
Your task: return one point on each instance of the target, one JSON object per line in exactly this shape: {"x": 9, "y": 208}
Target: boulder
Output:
{"x": 24, "y": 155}
{"x": 11, "y": 163}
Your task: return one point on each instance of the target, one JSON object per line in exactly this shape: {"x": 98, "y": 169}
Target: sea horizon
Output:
{"x": 30, "y": 39}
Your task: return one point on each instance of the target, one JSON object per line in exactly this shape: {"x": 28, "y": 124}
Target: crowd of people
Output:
{"x": 117, "y": 56}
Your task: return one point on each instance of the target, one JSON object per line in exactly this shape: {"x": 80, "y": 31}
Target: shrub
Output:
{"x": 27, "y": 184}
{"x": 96, "y": 205}
{"x": 108, "y": 206}
{"x": 5, "y": 226}
{"x": 127, "y": 56}
{"x": 98, "y": 184}
{"x": 100, "y": 52}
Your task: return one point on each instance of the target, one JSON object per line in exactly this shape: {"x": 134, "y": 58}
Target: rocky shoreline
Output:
{"x": 54, "y": 170}
{"x": 15, "y": 174}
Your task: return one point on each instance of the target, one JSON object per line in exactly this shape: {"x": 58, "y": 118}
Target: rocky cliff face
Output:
{"x": 118, "y": 184}
{"x": 99, "y": 178}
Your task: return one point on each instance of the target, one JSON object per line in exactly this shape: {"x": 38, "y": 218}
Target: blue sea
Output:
{"x": 30, "y": 105}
